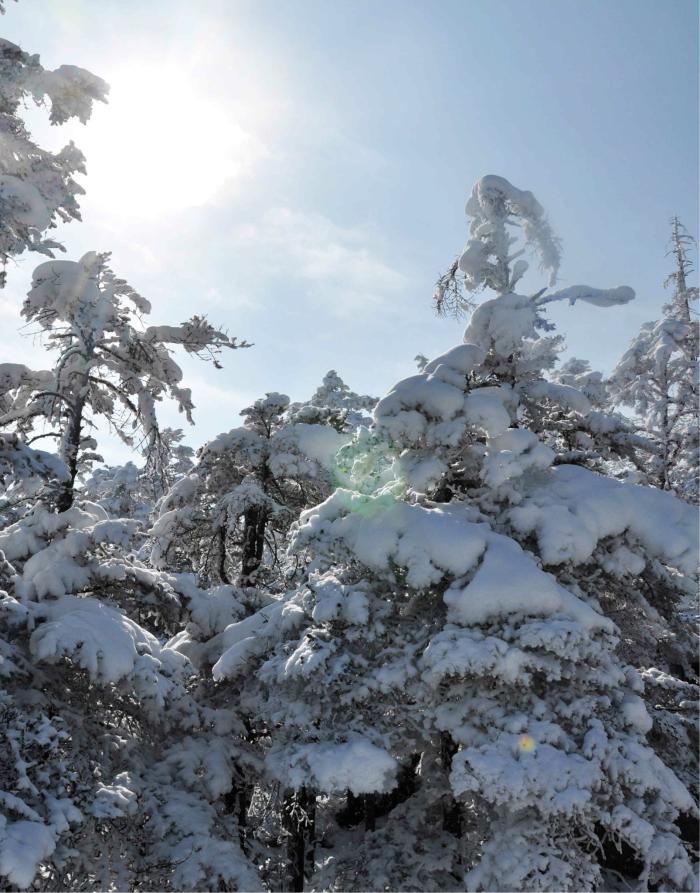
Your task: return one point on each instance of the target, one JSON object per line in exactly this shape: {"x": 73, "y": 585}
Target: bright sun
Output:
{"x": 162, "y": 144}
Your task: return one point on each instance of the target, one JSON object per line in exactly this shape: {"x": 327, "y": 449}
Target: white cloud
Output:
{"x": 339, "y": 262}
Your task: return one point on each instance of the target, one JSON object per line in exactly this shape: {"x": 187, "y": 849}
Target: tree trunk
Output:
{"x": 236, "y": 802}
{"x": 298, "y": 823}
{"x": 451, "y": 809}
{"x": 69, "y": 453}
{"x": 254, "y": 523}
{"x": 223, "y": 576}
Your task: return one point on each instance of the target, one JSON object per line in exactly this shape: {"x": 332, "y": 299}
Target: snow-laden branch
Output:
{"x": 600, "y": 297}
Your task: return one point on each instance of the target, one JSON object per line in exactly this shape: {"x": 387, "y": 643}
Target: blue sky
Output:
{"x": 298, "y": 170}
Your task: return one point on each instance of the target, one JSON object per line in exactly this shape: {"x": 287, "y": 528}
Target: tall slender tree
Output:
{"x": 657, "y": 377}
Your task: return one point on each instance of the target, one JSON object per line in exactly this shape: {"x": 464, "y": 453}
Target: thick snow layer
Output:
{"x": 493, "y": 204}
{"x": 560, "y": 394}
{"x": 461, "y": 652}
{"x": 635, "y": 713}
{"x": 249, "y": 638}
{"x": 601, "y": 297}
{"x": 512, "y": 454}
{"x": 319, "y": 442}
{"x": 15, "y": 375}
{"x": 502, "y": 324}
{"x": 100, "y": 639}
{"x": 115, "y": 800}
{"x": 211, "y": 610}
{"x": 424, "y": 395}
{"x": 508, "y": 581}
{"x": 357, "y": 765}
{"x": 434, "y": 406}
{"x": 430, "y": 543}
{"x": 483, "y": 408}
{"x": 23, "y": 845}
{"x": 574, "y": 509}
{"x": 560, "y": 783}
{"x": 380, "y": 531}
{"x": 62, "y": 285}
{"x": 28, "y": 536}
{"x": 335, "y": 601}
{"x": 488, "y": 191}
{"x": 462, "y": 359}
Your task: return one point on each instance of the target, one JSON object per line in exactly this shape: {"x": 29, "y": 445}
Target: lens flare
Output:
{"x": 526, "y": 744}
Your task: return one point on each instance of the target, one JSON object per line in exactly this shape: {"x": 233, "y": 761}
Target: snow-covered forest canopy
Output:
{"x": 441, "y": 637}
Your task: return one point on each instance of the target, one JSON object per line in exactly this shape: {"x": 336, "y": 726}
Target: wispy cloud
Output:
{"x": 340, "y": 264}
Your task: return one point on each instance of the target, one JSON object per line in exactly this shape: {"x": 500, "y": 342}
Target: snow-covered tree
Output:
{"x": 37, "y": 187}
{"x": 657, "y": 377}
{"x": 92, "y": 796}
{"x": 229, "y": 518}
{"x": 120, "y": 490}
{"x": 577, "y": 373}
{"x": 108, "y": 364}
{"x": 442, "y": 698}
{"x": 335, "y": 404}
{"x": 512, "y": 329}
{"x": 129, "y": 491}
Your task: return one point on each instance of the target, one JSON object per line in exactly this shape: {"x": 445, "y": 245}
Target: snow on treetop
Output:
{"x": 491, "y": 192}
{"x": 71, "y": 91}
{"x": 494, "y": 204}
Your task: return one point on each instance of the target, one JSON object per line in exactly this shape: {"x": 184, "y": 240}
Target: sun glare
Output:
{"x": 164, "y": 144}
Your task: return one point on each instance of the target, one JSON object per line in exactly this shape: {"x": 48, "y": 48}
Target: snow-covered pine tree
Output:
{"x": 108, "y": 364}
{"x": 119, "y": 490}
{"x": 442, "y": 699}
{"x": 127, "y": 491}
{"x": 91, "y": 795}
{"x": 113, "y": 771}
{"x": 577, "y": 373}
{"x": 37, "y": 189}
{"x": 579, "y": 428}
{"x": 334, "y": 403}
{"x": 228, "y": 520}
{"x": 657, "y": 377}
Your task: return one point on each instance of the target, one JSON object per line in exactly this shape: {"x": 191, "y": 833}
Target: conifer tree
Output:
{"x": 37, "y": 187}
{"x": 108, "y": 364}
{"x": 446, "y": 695}
{"x": 657, "y": 377}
